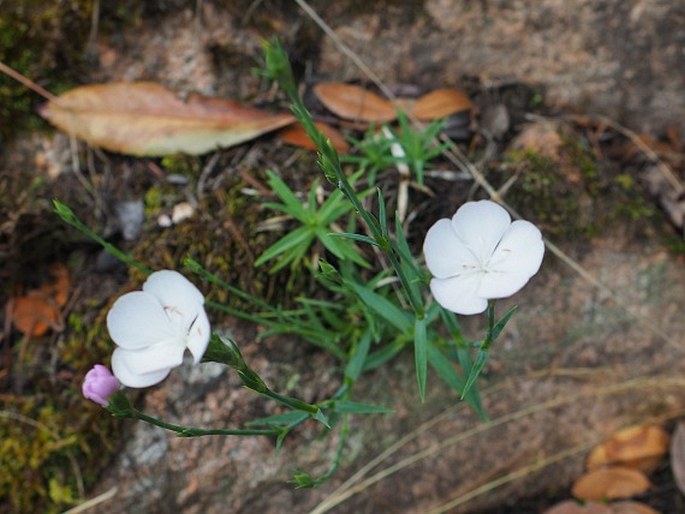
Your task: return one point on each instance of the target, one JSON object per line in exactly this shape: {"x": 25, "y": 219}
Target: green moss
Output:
{"x": 574, "y": 196}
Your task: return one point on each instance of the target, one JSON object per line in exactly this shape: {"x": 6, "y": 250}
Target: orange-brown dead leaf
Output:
{"x": 354, "y": 102}
{"x": 296, "y": 135}
{"x": 440, "y": 104}
{"x": 610, "y": 484}
{"x": 34, "y": 314}
{"x": 146, "y": 119}
{"x": 39, "y": 310}
{"x": 640, "y": 448}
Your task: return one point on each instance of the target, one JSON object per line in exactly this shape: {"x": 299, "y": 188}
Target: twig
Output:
{"x": 27, "y": 82}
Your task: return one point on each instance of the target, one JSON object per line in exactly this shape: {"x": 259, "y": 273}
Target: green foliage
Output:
{"x": 316, "y": 224}
{"x": 419, "y": 146}
{"x": 373, "y": 153}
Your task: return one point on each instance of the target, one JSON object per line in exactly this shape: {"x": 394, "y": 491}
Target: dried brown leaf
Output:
{"x": 354, "y": 102}
{"x": 540, "y": 137}
{"x": 610, "y": 484}
{"x": 678, "y": 456}
{"x": 640, "y": 448}
{"x": 296, "y": 135}
{"x": 34, "y": 314}
{"x": 573, "y": 507}
{"x": 440, "y": 104}
{"x": 146, "y": 119}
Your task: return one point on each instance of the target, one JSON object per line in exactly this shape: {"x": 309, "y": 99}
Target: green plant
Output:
{"x": 316, "y": 222}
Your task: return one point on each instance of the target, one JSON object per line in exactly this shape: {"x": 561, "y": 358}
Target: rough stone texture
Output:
{"x": 570, "y": 344}
{"x": 621, "y": 59}
{"x": 565, "y": 365}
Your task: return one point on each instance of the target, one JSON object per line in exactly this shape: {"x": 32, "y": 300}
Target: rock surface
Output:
{"x": 565, "y": 373}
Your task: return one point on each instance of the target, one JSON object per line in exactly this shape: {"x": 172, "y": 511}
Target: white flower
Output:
{"x": 153, "y": 328}
{"x": 480, "y": 255}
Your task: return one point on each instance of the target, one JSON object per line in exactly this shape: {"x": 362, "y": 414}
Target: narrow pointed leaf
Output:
{"x": 146, "y": 119}
{"x": 356, "y": 364}
{"x": 476, "y": 369}
{"x": 382, "y": 307}
{"x": 420, "y": 358}
{"x": 348, "y": 407}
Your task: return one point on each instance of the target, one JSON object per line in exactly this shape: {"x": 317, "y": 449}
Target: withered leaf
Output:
{"x": 440, "y": 104}
{"x": 640, "y": 448}
{"x": 296, "y": 135}
{"x": 678, "y": 456}
{"x": 354, "y": 102}
{"x": 610, "y": 484}
{"x": 34, "y": 314}
{"x": 146, "y": 119}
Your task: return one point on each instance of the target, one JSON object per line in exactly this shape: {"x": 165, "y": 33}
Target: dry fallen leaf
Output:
{"x": 541, "y": 137}
{"x": 640, "y": 448}
{"x": 610, "y": 484}
{"x": 34, "y": 314}
{"x": 440, "y": 104}
{"x": 296, "y": 135}
{"x": 573, "y": 507}
{"x": 37, "y": 311}
{"x": 354, "y": 102}
{"x": 146, "y": 119}
{"x": 678, "y": 456}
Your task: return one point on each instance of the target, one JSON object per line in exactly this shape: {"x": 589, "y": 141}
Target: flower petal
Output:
{"x": 181, "y": 299}
{"x": 164, "y": 355}
{"x": 458, "y": 294}
{"x": 480, "y": 225}
{"x": 131, "y": 379}
{"x": 517, "y": 258}
{"x": 446, "y": 255}
{"x": 198, "y": 337}
{"x": 137, "y": 320}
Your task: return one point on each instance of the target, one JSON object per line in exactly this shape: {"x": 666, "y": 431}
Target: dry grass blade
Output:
{"x": 146, "y": 119}
{"x": 358, "y": 484}
{"x": 354, "y": 102}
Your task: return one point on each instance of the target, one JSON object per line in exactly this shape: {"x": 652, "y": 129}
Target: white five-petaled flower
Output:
{"x": 153, "y": 327}
{"x": 480, "y": 255}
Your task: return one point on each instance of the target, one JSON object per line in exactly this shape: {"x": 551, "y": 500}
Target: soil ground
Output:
{"x": 583, "y": 357}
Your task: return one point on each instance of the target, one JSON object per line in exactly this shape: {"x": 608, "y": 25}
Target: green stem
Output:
{"x": 184, "y": 431}
{"x": 279, "y": 70}
{"x": 68, "y": 216}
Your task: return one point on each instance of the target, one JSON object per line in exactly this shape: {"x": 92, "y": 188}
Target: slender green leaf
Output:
{"x": 420, "y": 343}
{"x": 298, "y": 238}
{"x": 285, "y": 193}
{"x": 380, "y": 357}
{"x": 382, "y": 307}
{"x": 360, "y": 408}
{"x": 361, "y": 350}
{"x": 499, "y": 326}
{"x": 481, "y": 359}
{"x": 356, "y": 237}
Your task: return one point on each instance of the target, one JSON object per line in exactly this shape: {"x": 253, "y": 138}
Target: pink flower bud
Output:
{"x": 99, "y": 384}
